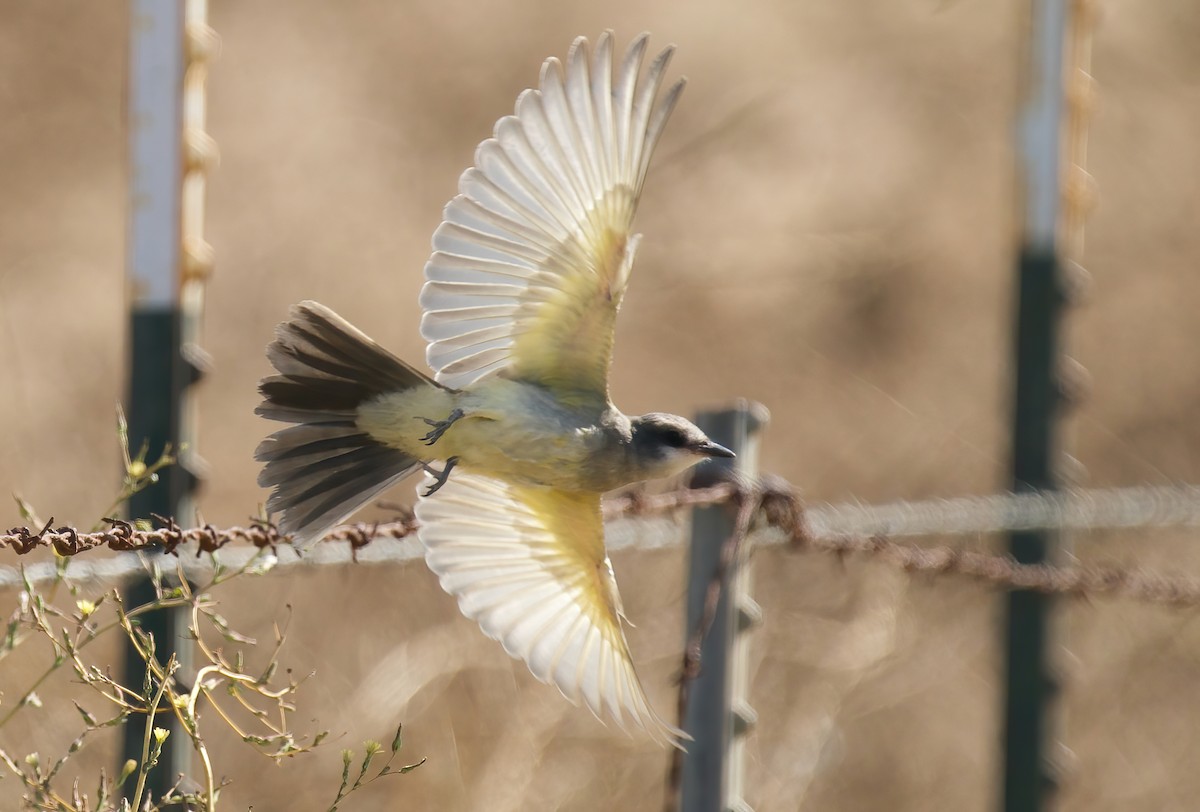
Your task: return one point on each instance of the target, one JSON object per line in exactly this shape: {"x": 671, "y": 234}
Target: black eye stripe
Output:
{"x": 674, "y": 438}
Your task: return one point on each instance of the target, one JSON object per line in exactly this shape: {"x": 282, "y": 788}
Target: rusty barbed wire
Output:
{"x": 169, "y": 536}
{"x": 1002, "y": 571}
{"x": 780, "y": 518}
{"x": 784, "y": 511}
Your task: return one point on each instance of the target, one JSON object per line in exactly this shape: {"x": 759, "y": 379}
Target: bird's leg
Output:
{"x": 439, "y": 426}
{"x": 439, "y": 477}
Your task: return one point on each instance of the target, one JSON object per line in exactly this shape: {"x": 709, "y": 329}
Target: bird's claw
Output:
{"x": 439, "y": 477}
{"x": 439, "y": 426}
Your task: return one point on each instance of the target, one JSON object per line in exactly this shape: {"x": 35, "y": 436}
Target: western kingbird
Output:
{"x": 528, "y": 269}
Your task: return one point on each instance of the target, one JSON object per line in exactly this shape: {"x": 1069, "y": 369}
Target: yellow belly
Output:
{"x": 508, "y": 430}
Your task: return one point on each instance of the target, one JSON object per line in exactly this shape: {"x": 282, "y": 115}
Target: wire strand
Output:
{"x": 844, "y": 529}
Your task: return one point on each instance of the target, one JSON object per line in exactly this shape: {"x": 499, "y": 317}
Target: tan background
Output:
{"x": 828, "y": 230}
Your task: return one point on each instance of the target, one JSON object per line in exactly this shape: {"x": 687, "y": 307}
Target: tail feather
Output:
{"x": 321, "y": 340}
{"x": 328, "y": 396}
{"x": 325, "y": 467}
{"x": 315, "y": 502}
{"x": 292, "y": 451}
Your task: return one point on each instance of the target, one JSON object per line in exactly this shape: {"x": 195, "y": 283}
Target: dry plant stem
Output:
{"x": 71, "y": 652}
{"x": 151, "y": 709}
{"x": 149, "y": 607}
{"x": 134, "y": 486}
{"x": 124, "y": 697}
{"x": 219, "y": 666}
{"x": 185, "y": 708}
{"x": 59, "y": 802}
{"x": 210, "y": 784}
{"x": 731, "y": 554}
{"x": 70, "y": 633}
{"x": 162, "y": 603}
{"x": 188, "y": 721}
{"x": 232, "y": 676}
{"x": 138, "y": 475}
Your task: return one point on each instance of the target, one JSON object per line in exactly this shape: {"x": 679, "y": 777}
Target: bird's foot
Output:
{"x": 439, "y": 426}
{"x": 439, "y": 477}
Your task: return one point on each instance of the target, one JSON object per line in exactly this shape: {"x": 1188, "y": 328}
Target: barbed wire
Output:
{"x": 123, "y": 536}
{"x": 781, "y": 518}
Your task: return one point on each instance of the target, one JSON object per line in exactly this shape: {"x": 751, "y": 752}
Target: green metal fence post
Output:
{"x": 1029, "y": 682}
{"x": 169, "y": 153}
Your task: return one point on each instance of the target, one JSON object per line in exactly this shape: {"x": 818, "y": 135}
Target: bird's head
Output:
{"x": 666, "y": 444}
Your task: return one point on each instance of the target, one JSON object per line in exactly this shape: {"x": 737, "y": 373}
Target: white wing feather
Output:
{"x": 551, "y": 195}
{"x": 548, "y": 600}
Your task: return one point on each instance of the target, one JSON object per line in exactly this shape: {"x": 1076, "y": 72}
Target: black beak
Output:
{"x": 710, "y": 449}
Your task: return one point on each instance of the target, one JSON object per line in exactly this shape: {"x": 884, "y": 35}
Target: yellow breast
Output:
{"x": 509, "y": 429}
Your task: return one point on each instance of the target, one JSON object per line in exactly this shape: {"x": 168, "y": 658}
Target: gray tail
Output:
{"x": 324, "y": 467}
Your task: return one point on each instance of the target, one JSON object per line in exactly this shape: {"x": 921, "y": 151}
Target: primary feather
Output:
{"x": 534, "y": 254}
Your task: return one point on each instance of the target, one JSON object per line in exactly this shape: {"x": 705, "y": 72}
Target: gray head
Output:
{"x": 666, "y": 444}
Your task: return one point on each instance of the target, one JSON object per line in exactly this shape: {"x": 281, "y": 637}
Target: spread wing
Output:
{"x": 533, "y": 255}
{"x": 528, "y": 564}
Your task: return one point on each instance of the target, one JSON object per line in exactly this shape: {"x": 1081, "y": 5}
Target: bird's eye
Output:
{"x": 674, "y": 438}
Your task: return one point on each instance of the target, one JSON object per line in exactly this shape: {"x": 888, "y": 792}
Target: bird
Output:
{"x": 528, "y": 270}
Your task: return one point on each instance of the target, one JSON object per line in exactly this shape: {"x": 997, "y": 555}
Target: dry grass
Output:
{"x": 827, "y": 231}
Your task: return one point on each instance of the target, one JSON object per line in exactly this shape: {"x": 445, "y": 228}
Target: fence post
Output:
{"x": 718, "y": 714}
{"x": 169, "y": 155}
{"x": 1030, "y": 684}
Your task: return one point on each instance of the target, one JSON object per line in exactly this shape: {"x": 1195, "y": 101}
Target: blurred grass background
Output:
{"x": 828, "y": 230}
